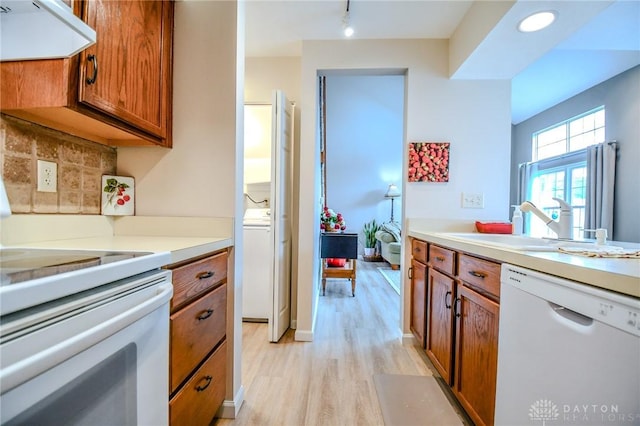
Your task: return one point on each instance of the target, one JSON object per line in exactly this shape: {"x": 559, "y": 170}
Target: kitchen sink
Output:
{"x": 516, "y": 242}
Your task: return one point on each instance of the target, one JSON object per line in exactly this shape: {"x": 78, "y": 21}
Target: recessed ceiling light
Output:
{"x": 537, "y": 21}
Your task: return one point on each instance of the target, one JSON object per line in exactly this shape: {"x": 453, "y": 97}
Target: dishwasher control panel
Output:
{"x": 616, "y": 310}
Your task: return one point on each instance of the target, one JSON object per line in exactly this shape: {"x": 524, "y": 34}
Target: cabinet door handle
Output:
{"x": 206, "y": 379}
{"x": 447, "y": 304}
{"x": 94, "y": 59}
{"x": 440, "y": 258}
{"x": 205, "y": 275}
{"x": 478, "y": 274}
{"x": 455, "y": 307}
{"x": 204, "y": 315}
{"x": 410, "y": 272}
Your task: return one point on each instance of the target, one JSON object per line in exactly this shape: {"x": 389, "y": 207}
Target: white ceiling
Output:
{"x": 590, "y": 42}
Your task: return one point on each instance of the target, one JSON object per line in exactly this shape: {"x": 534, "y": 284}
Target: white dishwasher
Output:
{"x": 568, "y": 354}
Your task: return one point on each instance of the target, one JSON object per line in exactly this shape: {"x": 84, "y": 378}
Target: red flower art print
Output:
{"x": 428, "y": 162}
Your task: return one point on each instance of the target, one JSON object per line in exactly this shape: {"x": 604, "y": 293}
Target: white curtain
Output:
{"x": 525, "y": 170}
{"x": 601, "y": 173}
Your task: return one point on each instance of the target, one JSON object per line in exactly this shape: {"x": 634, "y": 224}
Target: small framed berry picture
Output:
{"x": 117, "y": 195}
{"x": 428, "y": 162}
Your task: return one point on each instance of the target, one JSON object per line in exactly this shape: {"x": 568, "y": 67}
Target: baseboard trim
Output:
{"x": 230, "y": 408}
{"x": 408, "y": 339}
{"x": 304, "y": 336}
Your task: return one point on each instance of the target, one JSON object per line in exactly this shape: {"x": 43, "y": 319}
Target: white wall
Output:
{"x": 474, "y": 116}
{"x": 201, "y": 175}
{"x": 365, "y": 130}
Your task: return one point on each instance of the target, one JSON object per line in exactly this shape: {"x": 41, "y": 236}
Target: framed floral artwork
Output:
{"x": 428, "y": 162}
{"x": 118, "y": 195}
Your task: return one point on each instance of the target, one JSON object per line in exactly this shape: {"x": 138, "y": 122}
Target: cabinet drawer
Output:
{"x": 442, "y": 259}
{"x": 199, "y": 399}
{"x": 195, "y": 330}
{"x": 197, "y": 277}
{"x": 480, "y": 273}
{"x": 419, "y": 250}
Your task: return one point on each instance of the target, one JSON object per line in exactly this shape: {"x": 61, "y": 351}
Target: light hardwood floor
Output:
{"x": 328, "y": 381}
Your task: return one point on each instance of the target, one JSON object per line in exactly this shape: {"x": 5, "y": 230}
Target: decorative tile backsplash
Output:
{"x": 81, "y": 164}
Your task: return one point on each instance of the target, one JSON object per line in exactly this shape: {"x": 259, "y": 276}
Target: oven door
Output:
{"x": 102, "y": 360}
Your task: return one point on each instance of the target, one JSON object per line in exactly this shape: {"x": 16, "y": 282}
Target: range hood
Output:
{"x": 41, "y": 29}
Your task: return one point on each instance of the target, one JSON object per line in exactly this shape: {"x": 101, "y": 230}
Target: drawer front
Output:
{"x": 197, "y": 277}
{"x": 419, "y": 250}
{"x": 442, "y": 259}
{"x": 480, "y": 273}
{"x": 200, "y": 398}
{"x": 195, "y": 330}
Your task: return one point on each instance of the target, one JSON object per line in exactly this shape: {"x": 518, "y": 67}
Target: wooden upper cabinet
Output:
{"x": 131, "y": 62}
{"x": 130, "y": 101}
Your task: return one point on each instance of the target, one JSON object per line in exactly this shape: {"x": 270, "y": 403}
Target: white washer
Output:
{"x": 257, "y": 265}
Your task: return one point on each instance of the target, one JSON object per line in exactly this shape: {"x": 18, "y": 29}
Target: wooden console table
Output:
{"x": 340, "y": 246}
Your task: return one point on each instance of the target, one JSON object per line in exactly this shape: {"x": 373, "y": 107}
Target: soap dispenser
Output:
{"x": 516, "y": 221}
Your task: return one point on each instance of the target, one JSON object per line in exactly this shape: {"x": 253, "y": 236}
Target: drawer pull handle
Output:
{"x": 440, "y": 258}
{"x": 206, "y": 385}
{"x": 205, "y": 275}
{"x": 447, "y": 303}
{"x": 478, "y": 274}
{"x": 92, "y": 79}
{"x": 410, "y": 272}
{"x": 206, "y": 314}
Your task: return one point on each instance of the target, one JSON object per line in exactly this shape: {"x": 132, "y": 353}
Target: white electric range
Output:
{"x": 83, "y": 333}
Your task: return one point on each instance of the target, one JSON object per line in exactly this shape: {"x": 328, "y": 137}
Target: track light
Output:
{"x": 346, "y": 24}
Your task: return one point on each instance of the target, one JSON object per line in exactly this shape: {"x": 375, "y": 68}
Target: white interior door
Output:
{"x": 281, "y": 209}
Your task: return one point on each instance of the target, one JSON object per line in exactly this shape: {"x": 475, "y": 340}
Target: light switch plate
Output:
{"x": 472, "y": 200}
{"x": 47, "y": 176}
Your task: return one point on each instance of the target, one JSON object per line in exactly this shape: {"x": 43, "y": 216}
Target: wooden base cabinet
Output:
{"x": 476, "y": 354}
{"x": 462, "y": 313}
{"x": 418, "y": 300}
{"x": 198, "y": 347}
{"x": 198, "y": 400}
{"x": 440, "y": 323}
{"x": 418, "y": 280}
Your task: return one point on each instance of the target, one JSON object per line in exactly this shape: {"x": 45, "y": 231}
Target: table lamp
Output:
{"x": 392, "y": 192}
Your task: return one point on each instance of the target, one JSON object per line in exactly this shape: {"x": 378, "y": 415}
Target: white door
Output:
{"x": 281, "y": 209}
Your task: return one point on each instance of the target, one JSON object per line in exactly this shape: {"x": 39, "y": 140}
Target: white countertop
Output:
{"x": 183, "y": 237}
{"x": 180, "y": 248}
{"x": 620, "y": 275}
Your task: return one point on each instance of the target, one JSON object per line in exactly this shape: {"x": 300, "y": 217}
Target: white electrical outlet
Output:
{"x": 472, "y": 200}
{"x": 47, "y": 176}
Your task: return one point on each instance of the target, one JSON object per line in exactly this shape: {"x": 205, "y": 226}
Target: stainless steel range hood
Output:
{"x": 41, "y": 29}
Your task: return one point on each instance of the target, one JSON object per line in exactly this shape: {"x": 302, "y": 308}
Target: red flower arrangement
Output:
{"x": 428, "y": 162}
{"x": 331, "y": 221}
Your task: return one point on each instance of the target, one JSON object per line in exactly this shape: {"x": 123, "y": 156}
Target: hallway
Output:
{"x": 328, "y": 381}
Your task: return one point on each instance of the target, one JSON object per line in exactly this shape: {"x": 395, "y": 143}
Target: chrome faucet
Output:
{"x": 563, "y": 227}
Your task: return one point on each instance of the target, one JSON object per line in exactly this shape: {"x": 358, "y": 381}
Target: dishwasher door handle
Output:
{"x": 571, "y": 315}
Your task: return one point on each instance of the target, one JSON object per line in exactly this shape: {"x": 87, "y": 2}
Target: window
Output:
{"x": 570, "y": 135}
{"x": 560, "y": 169}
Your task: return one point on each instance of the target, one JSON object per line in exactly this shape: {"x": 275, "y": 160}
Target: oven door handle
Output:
{"x": 28, "y": 368}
